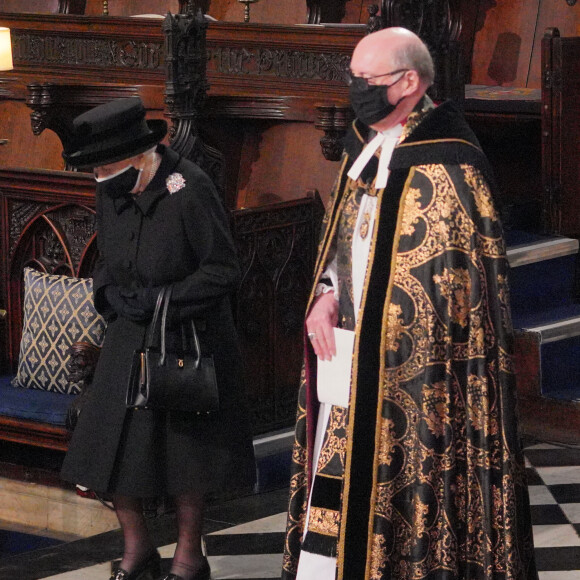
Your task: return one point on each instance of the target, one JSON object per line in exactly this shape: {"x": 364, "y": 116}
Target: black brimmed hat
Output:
{"x": 112, "y": 132}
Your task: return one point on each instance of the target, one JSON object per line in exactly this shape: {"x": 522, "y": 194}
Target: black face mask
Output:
{"x": 121, "y": 184}
{"x": 371, "y": 104}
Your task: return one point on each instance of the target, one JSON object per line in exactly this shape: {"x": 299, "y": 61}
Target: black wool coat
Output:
{"x": 177, "y": 235}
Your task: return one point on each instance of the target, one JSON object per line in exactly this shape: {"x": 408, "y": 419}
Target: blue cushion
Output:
{"x": 33, "y": 404}
{"x": 57, "y": 311}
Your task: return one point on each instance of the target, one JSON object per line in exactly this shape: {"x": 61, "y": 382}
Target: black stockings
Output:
{"x": 188, "y": 557}
{"x": 138, "y": 544}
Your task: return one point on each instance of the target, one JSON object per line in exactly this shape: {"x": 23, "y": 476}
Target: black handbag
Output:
{"x": 173, "y": 381}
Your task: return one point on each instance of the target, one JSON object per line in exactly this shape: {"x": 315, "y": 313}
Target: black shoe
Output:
{"x": 149, "y": 569}
{"x": 204, "y": 573}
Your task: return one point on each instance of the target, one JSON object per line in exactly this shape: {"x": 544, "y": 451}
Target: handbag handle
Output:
{"x": 166, "y": 298}
{"x": 197, "y": 346}
{"x": 162, "y": 306}
{"x": 153, "y": 323}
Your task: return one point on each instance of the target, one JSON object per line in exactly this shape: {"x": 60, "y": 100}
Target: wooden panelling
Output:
{"x": 507, "y": 47}
{"x": 275, "y": 168}
{"x": 132, "y": 7}
{"x": 299, "y": 64}
{"x": 26, "y": 149}
{"x": 44, "y": 6}
{"x": 262, "y": 12}
{"x": 503, "y": 44}
{"x": 541, "y": 418}
{"x": 357, "y": 11}
{"x": 553, "y": 14}
{"x": 276, "y": 244}
{"x": 257, "y": 74}
{"x": 561, "y": 127}
{"x": 23, "y": 148}
{"x": 30, "y": 6}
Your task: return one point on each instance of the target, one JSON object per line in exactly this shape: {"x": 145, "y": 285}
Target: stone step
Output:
{"x": 542, "y": 272}
{"x": 555, "y": 335}
{"x": 552, "y": 325}
{"x": 540, "y": 248}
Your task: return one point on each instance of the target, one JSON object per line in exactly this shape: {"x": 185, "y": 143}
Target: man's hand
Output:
{"x": 320, "y": 323}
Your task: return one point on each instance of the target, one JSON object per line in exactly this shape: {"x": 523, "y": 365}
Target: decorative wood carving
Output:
{"x": 51, "y": 221}
{"x": 299, "y": 64}
{"x": 7, "y": 89}
{"x": 283, "y": 63}
{"x": 57, "y": 240}
{"x": 54, "y": 106}
{"x": 186, "y": 90}
{"x": 334, "y": 121}
{"x": 374, "y": 22}
{"x": 83, "y": 358}
{"x": 107, "y": 54}
{"x": 438, "y": 24}
{"x": 277, "y": 246}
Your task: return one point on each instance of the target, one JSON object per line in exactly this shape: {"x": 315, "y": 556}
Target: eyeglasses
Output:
{"x": 362, "y": 83}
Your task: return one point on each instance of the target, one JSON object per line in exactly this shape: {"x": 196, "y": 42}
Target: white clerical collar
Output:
{"x": 387, "y": 141}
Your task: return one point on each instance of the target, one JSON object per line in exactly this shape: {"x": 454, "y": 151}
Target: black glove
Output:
{"x": 143, "y": 299}
{"x": 114, "y": 297}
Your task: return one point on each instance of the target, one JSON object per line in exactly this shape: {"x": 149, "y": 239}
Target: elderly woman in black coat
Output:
{"x": 159, "y": 223}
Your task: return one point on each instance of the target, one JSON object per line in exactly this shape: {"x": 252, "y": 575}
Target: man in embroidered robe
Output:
{"x": 420, "y": 475}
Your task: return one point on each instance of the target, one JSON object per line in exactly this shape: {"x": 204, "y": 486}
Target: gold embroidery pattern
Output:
{"x": 455, "y": 285}
{"x": 436, "y": 403}
{"x": 378, "y": 560}
{"x": 480, "y": 191}
{"x": 298, "y": 495}
{"x": 323, "y": 521}
{"x": 346, "y": 230}
{"x": 412, "y": 212}
{"x": 331, "y": 459}
{"x": 448, "y": 227}
{"x": 450, "y": 483}
{"x": 365, "y": 225}
{"x": 388, "y": 442}
{"x": 444, "y": 380}
{"x": 395, "y": 327}
{"x": 478, "y": 403}
{"x": 504, "y": 300}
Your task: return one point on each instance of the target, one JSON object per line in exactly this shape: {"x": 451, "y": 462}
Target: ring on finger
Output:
{"x": 312, "y": 335}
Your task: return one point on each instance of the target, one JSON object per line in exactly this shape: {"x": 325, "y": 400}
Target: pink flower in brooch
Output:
{"x": 175, "y": 182}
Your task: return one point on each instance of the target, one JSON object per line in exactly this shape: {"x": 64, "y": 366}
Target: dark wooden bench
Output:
{"x": 48, "y": 218}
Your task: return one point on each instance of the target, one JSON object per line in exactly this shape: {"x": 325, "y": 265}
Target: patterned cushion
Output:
{"x": 57, "y": 310}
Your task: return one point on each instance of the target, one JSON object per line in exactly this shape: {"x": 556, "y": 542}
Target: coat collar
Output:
{"x": 156, "y": 189}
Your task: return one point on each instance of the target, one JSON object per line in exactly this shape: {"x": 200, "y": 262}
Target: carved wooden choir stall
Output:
{"x": 258, "y": 99}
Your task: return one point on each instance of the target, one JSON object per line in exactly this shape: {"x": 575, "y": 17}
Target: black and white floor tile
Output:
{"x": 245, "y": 536}
{"x": 554, "y": 486}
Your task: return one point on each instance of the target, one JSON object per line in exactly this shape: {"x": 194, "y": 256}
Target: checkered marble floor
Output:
{"x": 245, "y": 536}
{"x": 554, "y": 486}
